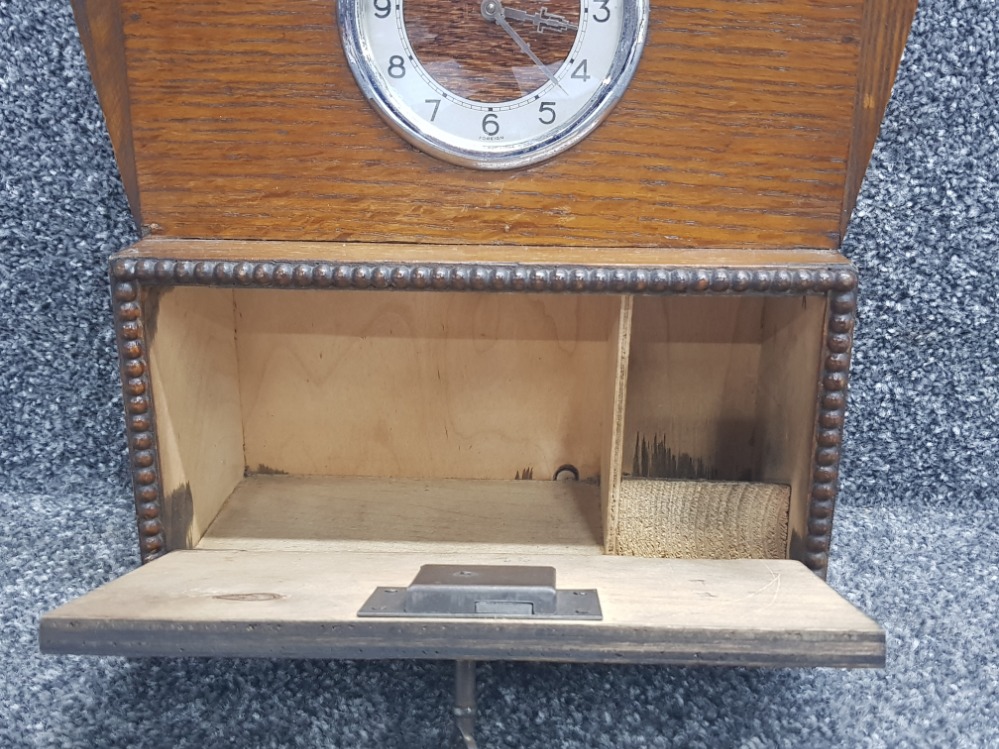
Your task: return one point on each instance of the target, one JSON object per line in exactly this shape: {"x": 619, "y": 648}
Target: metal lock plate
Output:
{"x": 483, "y": 591}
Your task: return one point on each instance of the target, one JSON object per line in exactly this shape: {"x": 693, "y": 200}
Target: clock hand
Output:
{"x": 492, "y": 10}
{"x": 542, "y": 20}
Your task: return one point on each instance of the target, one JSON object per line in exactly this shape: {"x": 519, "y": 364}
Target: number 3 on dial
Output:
{"x": 493, "y": 84}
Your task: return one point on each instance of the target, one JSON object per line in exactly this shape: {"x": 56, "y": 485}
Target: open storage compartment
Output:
{"x": 296, "y": 448}
{"x": 717, "y": 432}
{"x": 382, "y": 421}
{"x": 365, "y": 421}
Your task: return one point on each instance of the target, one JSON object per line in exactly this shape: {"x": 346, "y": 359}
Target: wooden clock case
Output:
{"x": 343, "y": 359}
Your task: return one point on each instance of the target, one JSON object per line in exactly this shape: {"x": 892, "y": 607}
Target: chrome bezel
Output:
{"x": 634, "y": 30}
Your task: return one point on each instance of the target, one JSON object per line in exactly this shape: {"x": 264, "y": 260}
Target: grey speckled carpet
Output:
{"x": 916, "y": 544}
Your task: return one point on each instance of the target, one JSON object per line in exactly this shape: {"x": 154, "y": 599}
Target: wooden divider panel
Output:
{"x": 617, "y": 393}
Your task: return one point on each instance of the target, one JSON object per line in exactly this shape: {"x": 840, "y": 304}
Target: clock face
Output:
{"x": 493, "y": 84}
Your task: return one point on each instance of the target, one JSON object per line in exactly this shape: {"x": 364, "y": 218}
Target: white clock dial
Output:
{"x": 493, "y": 84}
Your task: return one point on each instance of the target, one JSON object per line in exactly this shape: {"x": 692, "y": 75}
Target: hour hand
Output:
{"x": 542, "y": 20}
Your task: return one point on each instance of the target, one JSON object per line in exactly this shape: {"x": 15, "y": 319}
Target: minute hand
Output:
{"x": 493, "y": 10}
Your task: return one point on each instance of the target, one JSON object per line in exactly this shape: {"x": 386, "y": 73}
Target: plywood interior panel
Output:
{"x": 304, "y": 604}
{"x": 693, "y": 374}
{"x": 734, "y": 133}
{"x": 443, "y": 385}
{"x": 786, "y": 401}
{"x": 195, "y": 388}
{"x": 312, "y": 513}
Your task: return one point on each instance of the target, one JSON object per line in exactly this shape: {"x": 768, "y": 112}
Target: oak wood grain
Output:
{"x": 735, "y": 133}
{"x": 100, "y": 27}
{"x": 304, "y": 604}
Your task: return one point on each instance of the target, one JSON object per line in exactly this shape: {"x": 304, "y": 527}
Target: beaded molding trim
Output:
{"x": 485, "y": 277}
{"x": 839, "y": 282}
{"x": 140, "y": 424}
{"x": 830, "y": 418}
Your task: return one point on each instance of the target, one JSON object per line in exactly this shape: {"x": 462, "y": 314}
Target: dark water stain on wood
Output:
{"x": 178, "y": 512}
{"x": 654, "y": 459}
{"x": 264, "y": 470}
{"x": 151, "y": 310}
